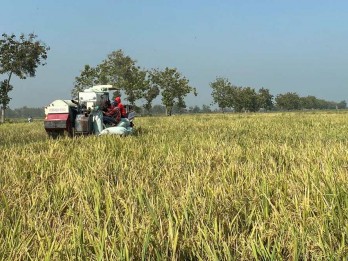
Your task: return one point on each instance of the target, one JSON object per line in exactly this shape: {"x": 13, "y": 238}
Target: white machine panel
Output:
{"x": 59, "y": 106}
{"x": 93, "y": 99}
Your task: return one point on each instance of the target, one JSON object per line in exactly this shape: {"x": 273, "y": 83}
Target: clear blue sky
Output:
{"x": 284, "y": 46}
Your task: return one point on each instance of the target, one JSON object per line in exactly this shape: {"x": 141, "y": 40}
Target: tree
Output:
{"x": 158, "y": 109}
{"x": 265, "y": 99}
{"x": 137, "y": 84}
{"x": 248, "y": 99}
{"x": 174, "y": 88}
{"x": 121, "y": 71}
{"x": 288, "y": 101}
{"x": 309, "y": 102}
{"x": 149, "y": 95}
{"x": 206, "y": 108}
{"x": 19, "y": 57}
{"x": 5, "y": 88}
{"x": 88, "y": 77}
{"x": 227, "y": 95}
{"x": 194, "y": 109}
{"x": 118, "y": 70}
{"x": 221, "y": 92}
{"x": 342, "y": 105}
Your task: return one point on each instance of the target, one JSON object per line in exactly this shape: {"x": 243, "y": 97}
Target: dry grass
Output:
{"x": 205, "y": 187}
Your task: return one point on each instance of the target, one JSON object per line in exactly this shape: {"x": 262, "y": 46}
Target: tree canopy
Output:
{"x": 240, "y": 99}
{"x": 19, "y": 57}
{"x": 136, "y": 83}
{"x": 222, "y": 92}
{"x": 288, "y": 101}
{"x": 174, "y": 87}
{"x": 119, "y": 70}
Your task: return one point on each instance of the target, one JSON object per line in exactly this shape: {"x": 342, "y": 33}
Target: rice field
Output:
{"x": 269, "y": 186}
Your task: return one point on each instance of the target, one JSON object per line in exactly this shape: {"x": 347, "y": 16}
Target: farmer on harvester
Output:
{"x": 124, "y": 115}
{"x": 121, "y": 107}
{"x": 111, "y": 114}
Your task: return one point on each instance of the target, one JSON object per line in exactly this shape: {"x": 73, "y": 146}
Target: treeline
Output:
{"x": 292, "y": 101}
{"x": 228, "y": 96}
{"x": 138, "y": 83}
{"x": 288, "y": 101}
{"x": 161, "y": 109}
{"x": 25, "y": 112}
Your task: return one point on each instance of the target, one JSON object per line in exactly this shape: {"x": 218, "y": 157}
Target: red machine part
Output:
{"x": 56, "y": 123}
{"x": 57, "y": 116}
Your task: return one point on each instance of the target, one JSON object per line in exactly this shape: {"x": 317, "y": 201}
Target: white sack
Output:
{"x": 117, "y": 130}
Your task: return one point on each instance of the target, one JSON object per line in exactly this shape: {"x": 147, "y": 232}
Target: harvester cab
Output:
{"x": 78, "y": 117}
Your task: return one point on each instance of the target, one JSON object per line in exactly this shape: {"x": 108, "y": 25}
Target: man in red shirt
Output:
{"x": 112, "y": 115}
{"x": 121, "y": 107}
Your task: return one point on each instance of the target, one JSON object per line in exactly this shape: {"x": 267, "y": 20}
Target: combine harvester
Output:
{"x": 85, "y": 116}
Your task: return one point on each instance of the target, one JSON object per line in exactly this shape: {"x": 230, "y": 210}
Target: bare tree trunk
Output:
{"x": 2, "y": 114}
{"x": 3, "y": 107}
{"x": 169, "y": 110}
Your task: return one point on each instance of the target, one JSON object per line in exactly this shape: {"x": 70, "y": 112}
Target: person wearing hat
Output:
{"x": 124, "y": 116}
{"x": 121, "y": 107}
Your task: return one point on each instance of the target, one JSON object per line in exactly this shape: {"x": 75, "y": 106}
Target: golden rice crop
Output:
{"x": 203, "y": 187}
